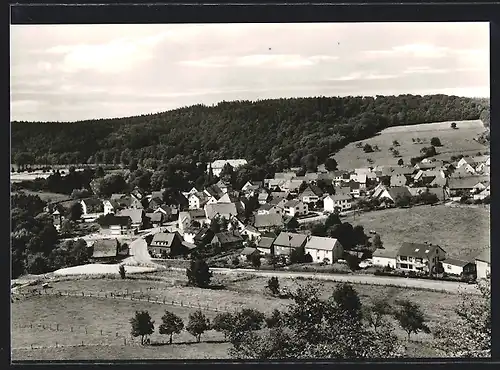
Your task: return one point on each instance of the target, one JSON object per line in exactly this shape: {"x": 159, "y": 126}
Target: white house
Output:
{"x": 311, "y": 194}
{"x": 483, "y": 193}
{"x": 360, "y": 178}
{"x": 324, "y": 249}
{"x": 483, "y": 264}
{"x": 219, "y": 164}
{"x": 454, "y": 266}
{"x": 199, "y": 200}
{"x": 467, "y": 164}
{"x": 295, "y": 207}
{"x": 384, "y": 257}
{"x": 189, "y": 235}
{"x": 342, "y": 201}
{"x": 108, "y": 207}
{"x": 192, "y": 191}
{"x": 419, "y": 257}
{"x": 91, "y": 205}
{"x": 267, "y": 209}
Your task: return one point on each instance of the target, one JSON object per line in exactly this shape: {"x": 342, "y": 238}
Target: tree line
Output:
{"x": 280, "y": 131}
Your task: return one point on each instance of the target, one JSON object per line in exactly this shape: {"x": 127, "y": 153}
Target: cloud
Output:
{"x": 357, "y": 76}
{"x": 415, "y": 50}
{"x": 260, "y": 60}
{"x": 425, "y": 70}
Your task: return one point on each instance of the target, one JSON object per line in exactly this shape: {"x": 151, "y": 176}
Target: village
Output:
{"x": 212, "y": 223}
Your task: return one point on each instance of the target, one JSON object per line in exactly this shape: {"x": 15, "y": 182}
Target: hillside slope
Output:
{"x": 280, "y": 130}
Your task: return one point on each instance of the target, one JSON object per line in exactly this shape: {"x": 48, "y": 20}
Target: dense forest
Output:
{"x": 279, "y": 131}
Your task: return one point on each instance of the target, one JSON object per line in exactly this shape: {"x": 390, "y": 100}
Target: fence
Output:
{"x": 135, "y": 296}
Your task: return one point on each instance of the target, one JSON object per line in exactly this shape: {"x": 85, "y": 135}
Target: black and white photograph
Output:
{"x": 250, "y": 191}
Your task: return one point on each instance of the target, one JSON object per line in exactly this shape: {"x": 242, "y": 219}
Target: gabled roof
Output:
{"x": 263, "y": 195}
{"x": 105, "y": 248}
{"x": 228, "y": 237}
{"x": 484, "y": 256}
{"x": 204, "y": 234}
{"x": 120, "y": 220}
{"x": 284, "y": 175}
{"x": 456, "y": 262}
{"x": 162, "y": 238}
{"x": 266, "y": 242}
{"x": 92, "y": 201}
{"x": 339, "y": 197}
{"x": 418, "y": 250}
{"x": 118, "y": 196}
{"x": 222, "y": 209}
{"x": 155, "y": 217}
{"x": 276, "y": 200}
{"x": 465, "y": 182}
{"x": 196, "y": 213}
{"x": 134, "y": 214}
{"x": 292, "y": 203}
{"x": 157, "y": 194}
{"x": 292, "y": 240}
{"x": 214, "y": 191}
{"x": 220, "y": 163}
{"x": 342, "y": 190}
{"x": 398, "y": 191}
{"x": 321, "y": 243}
{"x": 248, "y": 251}
{"x": 386, "y": 253}
{"x": 269, "y": 220}
{"x": 228, "y": 198}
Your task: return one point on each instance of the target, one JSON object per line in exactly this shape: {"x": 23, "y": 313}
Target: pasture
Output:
{"x": 112, "y": 315}
{"x": 462, "y": 231}
{"x": 48, "y": 197}
{"x": 454, "y": 141}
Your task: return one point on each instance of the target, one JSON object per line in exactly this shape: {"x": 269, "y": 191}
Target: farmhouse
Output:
{"x": 286, "y": 242}
{"x": 250, "y": 187}
{"x": 224, "y": 210}
{"x": 359, "y": 178}
{"x": 295, "y": 207}
{"x": 110, "y": 206}
{"x": 166, "y": 245}
{"x": 384, "y": 257}
{"x": 167, "y": 211}
{"x": 228, "y": 198}
{"x": 227, "y": 240}
{"x": 355, "y": 189}
{"x": 203, "y": 237}
{"x": 219, "y": 164}
{"x": 284, "y": 175}
{"x": 250, "y": 232}
{"x": 155, "y": 203}
{"x": 483, "y": 264}
{"x": 136, "y": 202}
{"x": 155, "y": 219}
{"x": 419, "y": 257}
{"x": 263, "y": 197}
{"x": 118, "y": 225}
{"x": 136, "y": 215}
{"x": 292, "y": 185}
{"x": 274, "y": 183}
{"x": 458, "y": 267}
{"x": 311, "y": 194}
{"x": 463, "y": 186}
{"x": 249, "y": 252}
{"x": 322, "y": 249}
{"x": 266, "y": 245}
{"x": 91, "y": 205}
{"x": 342, "y": 201}
{"x": 187, "y": 218}
{"x": 188, "y": 193}
{"x": 223, "y": 186}
{"x": 395, "y": 193}
{"x": 213, "y": 191}
{"x": 108, "y": 250}
{"x": 398, "y": 180}
{"x": 268, "y": 209}
{"x": 57, "y": 219}
{"x": 268, "y": 222}
{"x": 198, "y": 200}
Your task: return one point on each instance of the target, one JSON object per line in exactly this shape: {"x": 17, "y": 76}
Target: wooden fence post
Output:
{"x": 86, "y": 330}
{"x": 82, "y": 343}
{"x": 71, "y": 329}
{"x": 31, "y": 325}
{"x": 101, "y": 331}
{"x": 57, "y": 328}
{"x": 56, "y": 344}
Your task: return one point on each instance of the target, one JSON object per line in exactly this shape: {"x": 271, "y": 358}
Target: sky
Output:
{"x": 78, "y": 72}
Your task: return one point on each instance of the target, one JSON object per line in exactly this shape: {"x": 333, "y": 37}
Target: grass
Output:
{"x": 94, "y": 314}
{"x": 49, "y": 197}
{"x": 461, "y": 232}
{"x": 113, "y": 315}
{"x": 459, "y": 141}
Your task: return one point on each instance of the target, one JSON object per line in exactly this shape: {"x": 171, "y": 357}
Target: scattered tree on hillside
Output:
{"x": 331, "y": 164}
{"x": 411, "y": 318}
{"x": 170, "y": 324}
{"x": 199, "y": 273}
{"x": 142, "y": 325}
{"x": 395, "y": 153}
{"x": 198, "y": 324}
{"x": 377, "y": 241}
{"x": 223, "y": 323}
{"x": 368, "y": 148}
{"x": 435, "y": 141}
{"x": 395, "y": 143}
{"x": 400, "y": 162}
{"x": 75, "y": 211}
{"x": 453, "y": 125}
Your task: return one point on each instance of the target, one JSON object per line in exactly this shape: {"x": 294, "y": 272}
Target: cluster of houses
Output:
{"x": 424, "y": 257}
{"x": 282, "y": 199}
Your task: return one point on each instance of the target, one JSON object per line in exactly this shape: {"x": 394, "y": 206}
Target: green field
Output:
{"x": 459, "y": 141}
{"x": 461, "y": 232}
{"x": 49, "y": 197}
{"x": 112, "y": 316}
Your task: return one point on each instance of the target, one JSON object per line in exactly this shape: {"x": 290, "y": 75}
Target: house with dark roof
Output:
{"x": 155, "y": 203}
{"x": 91, "y": 205}
{"x": 155, "y": 219}
{"x": 198, "y": 200}
{"x": 265, "y": 245}
{"x": 483, "y": 264}
{"x": 398, "y": 180}
{"x": 250, "y": 232}
{"x": 463, "y": 186}
{"x": 311, "y": 194}
{"x": 263, "y": 197}
{"x": 453, "y": 266}
{"x": 268, "y": 222}
{"x": 108, "y": 250}
{"x": 136, "y": 201}
{"x": 295, "y": 207}
{"x": 213, "y": 191}
{"x": 419, "y": 257}
{"x": 168, "y": 212}
{"x": 166, "y": 245}
{"x": 324, "y": 249}
{"x": 227, "y": 240}
{"x": 286, "y": 242}
{"x": 268, "y": 208}
{"x": 394, "y": 193}
{"x": 203, "y": 237}
{"x": 117, "y": 225}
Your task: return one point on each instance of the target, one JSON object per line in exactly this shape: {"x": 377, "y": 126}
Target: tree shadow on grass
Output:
{"x": 161, "y": 344}
{"x": 216, "y": 287}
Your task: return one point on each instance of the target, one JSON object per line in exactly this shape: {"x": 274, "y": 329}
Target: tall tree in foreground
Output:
{"x": 312, "y": 328}
{"x": 199, "y": 273}
{"x": 142, "y": 325}
{"x": 198, "y": 324}
{"x": 223, "y": 323}
{"x": 411, "y": 318}
{"x": 471, "y": 335}
{"x": 171, "y": 324}
{"x": 376, "y": 312}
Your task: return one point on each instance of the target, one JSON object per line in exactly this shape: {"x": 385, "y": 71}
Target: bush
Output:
{"x": 273, "y": 285}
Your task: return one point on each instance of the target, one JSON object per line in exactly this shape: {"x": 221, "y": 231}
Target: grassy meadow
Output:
{"x": 454, "y": 141}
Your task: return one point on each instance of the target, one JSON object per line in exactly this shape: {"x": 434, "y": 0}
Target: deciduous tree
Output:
{"x": 142, "y": 325}
{"x": 170, "y": 324}
{"x": 198, "y": 324}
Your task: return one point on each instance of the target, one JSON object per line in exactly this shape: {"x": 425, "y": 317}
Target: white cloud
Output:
{"x": 424, "y": 70}
{"x": 260, "y": 60}
{"x": 363, "y": 76}
{"x": 415, "y": 50}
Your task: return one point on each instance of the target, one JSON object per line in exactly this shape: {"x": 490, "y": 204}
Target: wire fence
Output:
{"x": 128, "y": 295}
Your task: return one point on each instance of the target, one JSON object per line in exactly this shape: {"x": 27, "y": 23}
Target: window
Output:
{"x": 448, "y": 267}
{"x": 403, "y": 258}
{"x": 420, "y": 269}
{"x": 419, "y": 260}
{"x": 410, "y": 267}
{"x": 403, "y": 265}
{"x": 410, "y": 259}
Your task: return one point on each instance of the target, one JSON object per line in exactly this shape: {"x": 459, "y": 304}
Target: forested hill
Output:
{"x": 279, "y": 131}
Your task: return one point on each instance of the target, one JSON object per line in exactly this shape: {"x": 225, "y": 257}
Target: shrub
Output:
{"x": 435, "y": 141}
{"x": 273, "y": 285}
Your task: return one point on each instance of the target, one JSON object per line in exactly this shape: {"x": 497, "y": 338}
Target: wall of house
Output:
{"x": 384, "y": 261}
{"x": 264, "y": 250}
{"x": 408, "y": 263}
{"x": 483, "y": 269}
{"x": 452, "y": 269}
{"x": 320, "y": 255}
{"x": 279, "y": 250}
